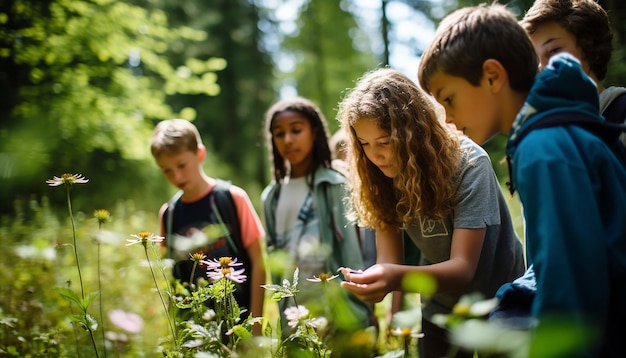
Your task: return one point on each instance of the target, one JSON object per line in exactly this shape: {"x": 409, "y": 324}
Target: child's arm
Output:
{"x": 452, "y": 275}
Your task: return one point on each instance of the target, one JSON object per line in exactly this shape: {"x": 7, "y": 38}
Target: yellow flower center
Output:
{"x": 461, "y": 309}
{"x": 325, "y": 276}
{"x": 102, "y": 215}
{"x": 198, "y": 256}
{"x": 225, "y": 261}
{"x": 144, "y": 234}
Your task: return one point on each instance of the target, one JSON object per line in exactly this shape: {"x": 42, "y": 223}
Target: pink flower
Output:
{"x": 229, "y": 273}
{"x": 128, "y": 321}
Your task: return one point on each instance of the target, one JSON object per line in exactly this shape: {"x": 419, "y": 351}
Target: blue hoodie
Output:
{"x": 573, "y": 192}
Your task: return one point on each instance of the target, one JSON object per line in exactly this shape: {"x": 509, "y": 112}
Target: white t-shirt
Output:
{"x": 297, "y": 231}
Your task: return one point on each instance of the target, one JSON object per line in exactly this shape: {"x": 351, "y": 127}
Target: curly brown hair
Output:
{"x": 585, "y": 19}
{"x": 425, "y": 150}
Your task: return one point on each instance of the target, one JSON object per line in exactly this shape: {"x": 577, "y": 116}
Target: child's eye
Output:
{"x": 447, "y": 100}
{"x": 296, "y": 131}
{"x": 554, "y": 51}
{"x": 278, "y": 134}
{"x": 363, "y": 144}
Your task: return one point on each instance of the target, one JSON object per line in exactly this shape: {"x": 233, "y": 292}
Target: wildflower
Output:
{"x": 406, "y": 332}
{"x": 102, "y": 215}
{"x": 223, "y": 262}
{"x": 208, "y": 315}
{"x": 319, "y": 323}
{"x": 197, "y": 257}
{"x": 226, "y": 272}
{"x": 67, "y": 179}
{"x": 116, "y": 337}
{"x": 128, "y": 321}
{"x": 295, "y": 314}
{"x": 143, "y": 238}
{"x": 323, "y": 277}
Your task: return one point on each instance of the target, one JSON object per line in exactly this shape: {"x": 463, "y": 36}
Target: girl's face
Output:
{"x": 376, "y": 145}
{"x": 294, "y": 137}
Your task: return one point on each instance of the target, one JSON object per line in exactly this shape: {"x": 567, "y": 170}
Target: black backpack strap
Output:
{"x": 169, "y": 217}
{"x": 224, "y": 207}
{"x": 609, "y": 132}
{"x": 616, "y": 111}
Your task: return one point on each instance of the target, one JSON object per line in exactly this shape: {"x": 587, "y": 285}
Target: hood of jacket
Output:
{"x": 560, "y": 88}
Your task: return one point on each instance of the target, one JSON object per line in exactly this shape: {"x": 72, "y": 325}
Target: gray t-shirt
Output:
{"x": 480, "y": 204}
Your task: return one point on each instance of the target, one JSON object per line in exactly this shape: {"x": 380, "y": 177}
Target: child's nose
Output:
{"x": 449, "y": 118}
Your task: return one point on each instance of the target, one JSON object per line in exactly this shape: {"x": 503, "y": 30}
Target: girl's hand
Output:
{"x": 371, "y": 285}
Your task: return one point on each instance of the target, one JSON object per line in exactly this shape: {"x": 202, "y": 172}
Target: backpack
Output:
{"x": 223, "y": 206}
{"x": 616, "y": 111}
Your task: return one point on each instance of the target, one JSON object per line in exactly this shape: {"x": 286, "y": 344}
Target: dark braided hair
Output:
{"x": 321, "y": 150}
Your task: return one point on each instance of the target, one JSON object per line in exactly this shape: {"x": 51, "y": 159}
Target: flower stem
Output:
{"x": 193, "y": 272}
{"x": 167, "y": 313}
{"x": 80, "y": 276}
{"x": 100, "y": 295}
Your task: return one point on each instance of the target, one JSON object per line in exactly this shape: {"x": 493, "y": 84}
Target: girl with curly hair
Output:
{"x": 410, "y": 172}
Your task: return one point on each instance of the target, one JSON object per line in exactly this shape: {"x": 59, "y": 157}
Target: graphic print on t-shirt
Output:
{"x": 433, "y": 228}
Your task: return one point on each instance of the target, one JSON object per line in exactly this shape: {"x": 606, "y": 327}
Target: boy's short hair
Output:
{"x": 585, "y": 19}
{"x": 173, "y": 136}
{"x": 467, "y": 37}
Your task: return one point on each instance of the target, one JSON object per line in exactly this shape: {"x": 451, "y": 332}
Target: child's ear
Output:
{"x": 495, "y": 74}
{"x": 201, "y": 152}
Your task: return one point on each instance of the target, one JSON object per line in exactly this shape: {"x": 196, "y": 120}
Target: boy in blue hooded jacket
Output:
{"x": 482, "y": 68}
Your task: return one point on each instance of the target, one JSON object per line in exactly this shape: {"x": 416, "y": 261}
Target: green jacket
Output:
{"x": 336, "y": 231}
{"x": 328, "y": 196}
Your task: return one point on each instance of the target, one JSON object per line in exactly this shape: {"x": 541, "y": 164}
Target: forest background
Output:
{"x": 83, "y": 83}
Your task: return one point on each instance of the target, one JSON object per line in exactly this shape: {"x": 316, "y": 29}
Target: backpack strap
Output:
{"x": 169, "y": 213}
{"x": 609, "y": 132}
{"x": 616, "y": 111}
{"x": 169, "y": 219}
{"x": 223, "y": 206}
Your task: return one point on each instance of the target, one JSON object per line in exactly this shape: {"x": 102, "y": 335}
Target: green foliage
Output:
{"x": 87, "y": 75}
{"x": 230, "y": 122}
{"x": 328, "y": 38}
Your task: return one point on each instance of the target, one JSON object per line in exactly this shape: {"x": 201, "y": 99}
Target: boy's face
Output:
{"x": 472, "y": 109}
{"x": 552, "y": 38}
{"x": 182, "y": 170}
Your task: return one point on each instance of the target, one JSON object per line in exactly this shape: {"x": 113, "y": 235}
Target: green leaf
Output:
{"x": 69, "y": 295}
{"x": 419, "y": 282}
{"x": 242, "y": 333}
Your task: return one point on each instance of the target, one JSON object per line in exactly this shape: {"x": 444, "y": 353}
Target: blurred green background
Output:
{"x": 83, "y": 83}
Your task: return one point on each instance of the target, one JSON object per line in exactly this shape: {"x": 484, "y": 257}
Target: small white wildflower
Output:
{"x": 67, "y": 179}
{"x": 143, "y": 238}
